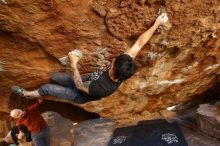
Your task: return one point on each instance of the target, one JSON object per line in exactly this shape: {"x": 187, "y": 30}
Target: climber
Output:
{"x": 31, "y": 117}
{"x": 98, "y": 84}
{"x": 17, "y": 135}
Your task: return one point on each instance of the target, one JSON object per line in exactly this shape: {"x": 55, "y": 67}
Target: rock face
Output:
{"x": 180, "y": 61}
{"x": 61, "y": 129}
{"x": 94, "y": 132}
{"x": 209, "y": 119}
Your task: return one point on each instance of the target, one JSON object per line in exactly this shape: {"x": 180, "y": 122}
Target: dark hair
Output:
{"x": 124, "y": 66}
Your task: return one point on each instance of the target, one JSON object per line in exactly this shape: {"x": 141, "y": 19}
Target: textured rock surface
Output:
{"x": 198, "y": 139}
{"x": 209, "y": 119}
{"x": 180, "y": 61}
{"x": 61, "y": 129}
{"x": 94, "y": 132}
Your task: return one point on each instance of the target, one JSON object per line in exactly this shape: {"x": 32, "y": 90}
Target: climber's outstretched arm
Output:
{"x": 76, "y": 76}
{"x": 144, "y": 38}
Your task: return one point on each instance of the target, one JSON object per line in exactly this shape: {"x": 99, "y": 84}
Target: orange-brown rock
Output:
{"x": 180, "y": 61}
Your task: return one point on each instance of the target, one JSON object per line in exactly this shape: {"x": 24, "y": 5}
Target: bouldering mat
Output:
{"x": 149, "y": 133}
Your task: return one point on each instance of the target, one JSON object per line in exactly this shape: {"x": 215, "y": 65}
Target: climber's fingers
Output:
{"x": 73, "y": 58}
{"x": 163, "y": 18}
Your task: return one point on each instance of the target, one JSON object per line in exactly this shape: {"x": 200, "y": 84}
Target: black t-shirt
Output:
{"x": 102, "y": 85}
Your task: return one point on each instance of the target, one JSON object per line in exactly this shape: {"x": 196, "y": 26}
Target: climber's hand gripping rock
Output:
{"x": 162, "y": 19}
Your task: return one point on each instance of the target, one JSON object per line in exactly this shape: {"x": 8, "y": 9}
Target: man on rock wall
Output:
{"x": 102, "y": 83}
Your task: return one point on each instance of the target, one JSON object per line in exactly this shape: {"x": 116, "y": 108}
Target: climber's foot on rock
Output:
{"x": 21, "y": 92}
{"x": 18, "y": 90}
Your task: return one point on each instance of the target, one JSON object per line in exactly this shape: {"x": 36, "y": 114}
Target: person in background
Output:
{"x": 18, "y": 135}
{"x": 33, "y": 120}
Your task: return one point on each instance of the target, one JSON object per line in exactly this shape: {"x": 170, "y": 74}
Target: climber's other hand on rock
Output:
{"x": 73, "y": 59}
{"x": 163, "y": 18}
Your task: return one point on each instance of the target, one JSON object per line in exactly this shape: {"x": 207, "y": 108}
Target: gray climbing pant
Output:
{"x": 64, "y": 89}
{"x": 42, "y": 138}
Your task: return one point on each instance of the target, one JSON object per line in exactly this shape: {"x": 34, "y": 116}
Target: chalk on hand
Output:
{"x": 164, "y": 17}
{"x": 77, "y": 53}
{"x": 65, "y": 60}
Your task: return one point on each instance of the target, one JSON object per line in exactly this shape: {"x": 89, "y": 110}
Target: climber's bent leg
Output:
{"x": 63, "y": 79}
{"x": 67, "y": 93}
{"x": 66, "y": 80}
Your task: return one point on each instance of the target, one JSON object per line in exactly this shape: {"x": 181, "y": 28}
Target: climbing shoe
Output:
{"x": 18, "y": 90}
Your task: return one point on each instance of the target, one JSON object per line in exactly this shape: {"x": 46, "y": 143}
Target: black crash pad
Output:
{"x": 149, "y": 133}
